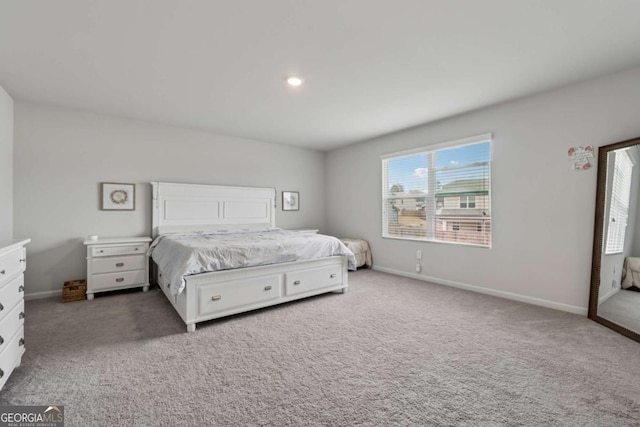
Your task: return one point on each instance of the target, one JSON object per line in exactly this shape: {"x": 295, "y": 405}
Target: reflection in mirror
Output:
{"x": 615, "y": 279}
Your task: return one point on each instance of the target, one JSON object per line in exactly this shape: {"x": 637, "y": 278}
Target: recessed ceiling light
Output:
{"x": 293, "y": 80}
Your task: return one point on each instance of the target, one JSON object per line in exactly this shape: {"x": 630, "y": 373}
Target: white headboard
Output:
{"x": 198, "y": 207}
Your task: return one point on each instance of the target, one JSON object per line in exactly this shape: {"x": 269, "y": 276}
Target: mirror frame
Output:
{"x": 598, "y": 237}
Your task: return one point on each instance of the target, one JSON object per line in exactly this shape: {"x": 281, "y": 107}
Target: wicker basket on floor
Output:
{"x": 74, "y": 290}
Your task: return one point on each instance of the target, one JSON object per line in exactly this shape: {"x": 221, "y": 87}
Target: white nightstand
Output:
{"x": 117, "y": 264}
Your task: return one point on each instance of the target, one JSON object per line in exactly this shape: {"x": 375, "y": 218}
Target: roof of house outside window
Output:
{"x": 460, "y": 187}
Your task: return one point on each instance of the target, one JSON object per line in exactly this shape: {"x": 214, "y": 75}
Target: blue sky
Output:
{"x": 411, "y": 171}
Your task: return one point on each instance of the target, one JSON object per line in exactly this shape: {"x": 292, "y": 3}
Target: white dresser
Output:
{"x": 13, "y": 262}
{"x": 117, "y": 264}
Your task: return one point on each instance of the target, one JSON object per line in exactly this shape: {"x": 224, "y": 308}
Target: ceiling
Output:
{"x": 370, "y": 67}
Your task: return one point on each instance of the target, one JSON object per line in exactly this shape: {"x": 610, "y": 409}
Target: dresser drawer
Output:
{"x": 11, "y": 323}
{"x": 237, "y": 293}
{"x": 12, "y": 263}
{"x": 10, "y": 294}
{"x": 98, "y": 251}
{"x": 310, "y": 279}
{"x": 10, "y": 355}
{"x": 117, "y": 280}
{"x": 116, "y": 264}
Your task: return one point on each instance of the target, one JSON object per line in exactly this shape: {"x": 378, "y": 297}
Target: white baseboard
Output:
{"x": 608, "y": 295}
{"x": 494, "y": 292}
{"x": 41, "y": 295}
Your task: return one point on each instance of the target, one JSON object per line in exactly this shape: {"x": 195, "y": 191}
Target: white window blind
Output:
{"x": 440, "y": 193}
{"x": 619, "y": 205}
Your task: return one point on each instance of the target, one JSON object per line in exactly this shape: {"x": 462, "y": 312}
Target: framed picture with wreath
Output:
{"x": 290, "y": 201}
{"x": 118, "y": 196}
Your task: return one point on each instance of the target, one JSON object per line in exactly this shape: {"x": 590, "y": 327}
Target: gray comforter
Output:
{"x": 180, "y": 255}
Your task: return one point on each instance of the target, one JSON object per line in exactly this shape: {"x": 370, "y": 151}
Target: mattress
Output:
{"x": 182, "y": 254}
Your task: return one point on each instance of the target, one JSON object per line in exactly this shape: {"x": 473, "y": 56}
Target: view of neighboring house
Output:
{"x": 462, "y": 212}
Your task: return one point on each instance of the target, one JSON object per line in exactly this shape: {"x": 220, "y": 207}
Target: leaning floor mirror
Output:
{"x": 615, "y": 275}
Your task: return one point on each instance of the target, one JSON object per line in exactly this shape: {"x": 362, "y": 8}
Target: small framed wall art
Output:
{"x": 118, "y": 196}
{"x": 290, "y": 201}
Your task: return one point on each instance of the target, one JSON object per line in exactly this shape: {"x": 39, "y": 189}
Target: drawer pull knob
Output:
{"x": 101, "y": 251}
{"x": 1, "y": 340}
{"x": 333, "y": 275}
{"x": 21, "y": 315}
{"x": 120, "y": 264}
{"x": 23, "y": 260}
{"x": 267, "y": 288}
{"x": 297, "y": 282}
{"x": 216, "y": 297}
{"x": 3, "y": 271}
{"x": 136, "y": 249}
{"x": 21, "y": 342}
{"x": 120, "y": 279}
{"x": 21, "y": 288}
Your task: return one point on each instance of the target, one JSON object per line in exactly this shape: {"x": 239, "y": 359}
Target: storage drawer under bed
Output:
{"x": 237, "y": 293}
{"x": 311, "y": 279}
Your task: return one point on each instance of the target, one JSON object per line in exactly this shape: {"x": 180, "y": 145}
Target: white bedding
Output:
{"x": 180, "y": 255}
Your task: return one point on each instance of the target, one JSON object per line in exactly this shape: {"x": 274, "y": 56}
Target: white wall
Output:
{"x": 62, "y": 156}
{"x": 542, "y": 211}
{"x": 6, "y": 165}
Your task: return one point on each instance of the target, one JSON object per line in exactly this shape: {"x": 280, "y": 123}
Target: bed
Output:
{"x": 192, "y": 221}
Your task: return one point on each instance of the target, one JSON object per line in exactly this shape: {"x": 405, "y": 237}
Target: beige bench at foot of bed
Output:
{"x": 360, "y": 249}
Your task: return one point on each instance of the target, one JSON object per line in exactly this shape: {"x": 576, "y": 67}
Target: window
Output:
{"x": 619, "y": 205}
{"x": 467, "y": 202}
{"x": 439, "y": 193}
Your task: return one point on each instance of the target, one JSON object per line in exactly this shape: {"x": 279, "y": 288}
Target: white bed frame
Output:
{"x": 197, "y": 207}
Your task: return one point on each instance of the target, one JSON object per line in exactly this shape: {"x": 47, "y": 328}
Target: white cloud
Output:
{"x": 420, "y": 172}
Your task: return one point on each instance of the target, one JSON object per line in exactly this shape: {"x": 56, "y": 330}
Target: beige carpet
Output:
{"x": 392, "y": 351}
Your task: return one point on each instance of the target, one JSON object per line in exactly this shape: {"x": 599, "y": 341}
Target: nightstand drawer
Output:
{"x": 10, "y": 325}
{"x": 117, "y": 280}
{"x": 99, "y": 251}
{"x": 117, "y": 264}
{"x": 10, "y": 294}
{"x": 12, "y": 263}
